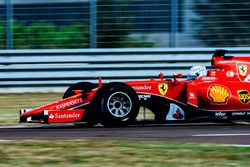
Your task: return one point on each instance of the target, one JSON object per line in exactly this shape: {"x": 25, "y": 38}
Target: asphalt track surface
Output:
{"x": 202, "y": 133}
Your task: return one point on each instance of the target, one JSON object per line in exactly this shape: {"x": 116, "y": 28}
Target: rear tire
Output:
{"x": 118, "y": 104}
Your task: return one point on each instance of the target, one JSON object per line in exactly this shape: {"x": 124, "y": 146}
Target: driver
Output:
{"x": 197, "y": 71}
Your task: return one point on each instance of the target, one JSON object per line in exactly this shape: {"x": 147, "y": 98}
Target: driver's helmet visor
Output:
{"x": 197, "y": 71}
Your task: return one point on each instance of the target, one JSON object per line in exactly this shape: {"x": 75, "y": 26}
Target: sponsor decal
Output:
{"x": 143, "y": 87}
{"x": 242, "y": 69}
{"x": 230, "y": 74}
{"x": 220, "y": 114}
{"x": 63, "y": 116}
{"x": 52, "y": 116}
{"x": 191, "y": 95}
{"x": 144, "y": 97}
{"x": 218, "y": 94}
{"x": 213, "y": 73}
{"x": 244, "y": 96}
{"x": 238, "y": 113}
{"x": 69, "y": 104}
{"x": 175, "y": 113}
{"x": 163, "y": 88}
{"x": 55, "y": 116}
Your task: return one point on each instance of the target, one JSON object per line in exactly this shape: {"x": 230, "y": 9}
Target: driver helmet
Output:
{"x": 197, "y": 71}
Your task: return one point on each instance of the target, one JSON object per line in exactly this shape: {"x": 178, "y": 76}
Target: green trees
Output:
{"x": 2, "y": 36}
{"x": 114, "y": 28}
{"x": 115, "y": 24}
{"x": 223, "y": 23}
{"x": 47, "y": 35}
{"x": 44, "y": 35}
{"x": 112, "y": 23}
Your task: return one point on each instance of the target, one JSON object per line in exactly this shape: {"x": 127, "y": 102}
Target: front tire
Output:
{"x": 118, "y": 104}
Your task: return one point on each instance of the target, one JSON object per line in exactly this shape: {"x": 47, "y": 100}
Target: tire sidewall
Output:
{"x": 127, "y": 91}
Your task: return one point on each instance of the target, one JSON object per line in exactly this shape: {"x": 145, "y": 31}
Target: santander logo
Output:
{"x": 65, "y": 116}
{"x": 51, "y": 116}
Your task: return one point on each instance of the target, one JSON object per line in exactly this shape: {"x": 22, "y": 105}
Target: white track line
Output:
{"x": 2, "y": 141}
{"x": 240, "y": 145}
{"x": 15, "y": 126}
{"x": 221, "y": 135}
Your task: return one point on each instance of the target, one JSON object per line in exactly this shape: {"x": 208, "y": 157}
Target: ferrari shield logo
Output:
{"x": 242, "y": 70}
{"x": 163, "y": 88}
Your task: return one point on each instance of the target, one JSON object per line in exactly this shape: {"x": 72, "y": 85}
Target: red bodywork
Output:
{"x": 223, "y": 94}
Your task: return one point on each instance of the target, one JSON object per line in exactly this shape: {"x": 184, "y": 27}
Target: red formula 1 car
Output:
{"x": 222, "y": 94}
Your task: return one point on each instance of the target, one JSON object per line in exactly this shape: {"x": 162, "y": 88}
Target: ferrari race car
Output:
{"x": 221, "y": 94}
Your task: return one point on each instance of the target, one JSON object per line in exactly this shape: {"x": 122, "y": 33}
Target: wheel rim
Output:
{"x": 119, "y": 104}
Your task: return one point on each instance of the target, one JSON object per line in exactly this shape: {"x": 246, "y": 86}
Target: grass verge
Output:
{"x": 120, "y": 153}
{"x": 11, "y": 103}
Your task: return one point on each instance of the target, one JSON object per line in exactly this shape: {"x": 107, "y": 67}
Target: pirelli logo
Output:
{"x": 244, "y": 96}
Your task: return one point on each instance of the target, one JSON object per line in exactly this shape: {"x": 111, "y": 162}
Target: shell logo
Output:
{"x": 218, "y": 94}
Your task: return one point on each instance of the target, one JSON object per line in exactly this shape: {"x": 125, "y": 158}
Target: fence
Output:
{"x": 56, "y": 24}
{"x": 54, "y": 70}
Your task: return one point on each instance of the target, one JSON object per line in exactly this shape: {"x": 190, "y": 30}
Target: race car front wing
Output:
{"x": 66, "y": 110}
{"x": 54, "y": 116}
